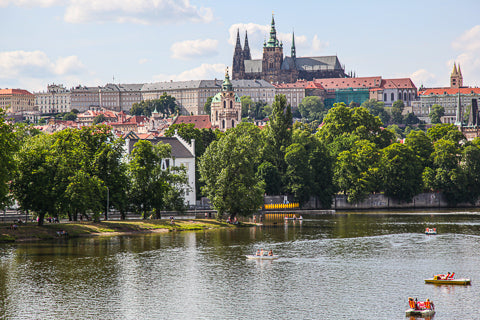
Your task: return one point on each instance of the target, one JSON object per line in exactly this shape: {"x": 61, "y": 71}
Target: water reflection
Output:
{"x": 356, "y": 261}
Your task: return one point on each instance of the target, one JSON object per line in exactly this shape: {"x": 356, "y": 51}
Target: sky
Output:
{"x": 95, "y": 42}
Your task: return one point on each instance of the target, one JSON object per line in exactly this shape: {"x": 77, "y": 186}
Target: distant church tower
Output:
{"x": 272, "y": 56}
{"x": 226, "y": 107}
{"x": 456, "y": 78}
{"x": 238, "y": 67}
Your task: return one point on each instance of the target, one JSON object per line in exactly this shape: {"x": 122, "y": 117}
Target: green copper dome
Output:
{"x": 227, "y": 85}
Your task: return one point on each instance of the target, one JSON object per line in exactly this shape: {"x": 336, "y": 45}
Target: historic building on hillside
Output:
{"x": 455, "y": 99}
{"x": 274, "y": 67}
{"x": 226, "y": 107}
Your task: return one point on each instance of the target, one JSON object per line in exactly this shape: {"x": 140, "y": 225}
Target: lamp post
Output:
{"x": 106, "y": 212}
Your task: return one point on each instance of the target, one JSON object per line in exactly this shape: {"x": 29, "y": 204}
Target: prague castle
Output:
{"x": 274, "y": 67}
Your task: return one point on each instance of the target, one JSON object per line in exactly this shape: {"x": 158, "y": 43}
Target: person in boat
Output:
{"x": 258, "y": 252}
{"x": 428, "y": 304}
{"x": 270, "y": 253}
{"x": 451, "y": 275}
{"x": 411, "y": 303}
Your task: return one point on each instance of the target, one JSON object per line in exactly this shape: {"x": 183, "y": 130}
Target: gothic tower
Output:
{"x": 238, "y": 67}
{"x": 272, "y": 56}
{"x": 246, "y": 49}
{"x": 226, "y": 107}
{"x": 456, "y": 78}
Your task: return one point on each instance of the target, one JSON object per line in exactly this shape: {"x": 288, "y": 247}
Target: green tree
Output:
{"x": 356, "y": 171}
{"x": 34, "y": 184}
{"x": 166, "y": 104}
{"x": 445, "y": 131}
{"x": 342, "y": 120}
{"x": 397, "y": 109}
{"x": 70, "y": 116}
{"x": 309, "y": 169}
{"x": 8, "y": 147}
{"x": 401, "y": 172}
{"x": 436, "y": 113}
{"x": 446, "y": 174}
{"x": 228, "y": 169}
{"x": 421, "y": 145}
{"x": 86, "y": 193}
{"x": 376, "y": 108}
{"x": 207, "y": 107}
{"x": 270, "y": 175}
{"x": 278, "y": 133}
{"x": 312, "y": 108}
{"x": 410, "y": 119}
{"x": 248, "y": 107}
{"x": 99, "y": 119}
{"x": 145, "y": 173}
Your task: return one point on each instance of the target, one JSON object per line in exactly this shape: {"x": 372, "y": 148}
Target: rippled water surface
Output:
{"x": 342, "y": 266}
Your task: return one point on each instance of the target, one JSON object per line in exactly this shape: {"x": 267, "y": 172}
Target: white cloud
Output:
{"x": 143, "y": 61}
{"x": 29, "y": 69}
{"x": 203, "y": 72}
{"x": 257, "y": 34}
{"x": 468, "y": 44}
{"x": 194, "y": 49}
{"x": 422, "y": 77}
{"x": 136, "y": 11}
{"x": 123, "y": 11}
{"x": 31, "y": 3}
{"x": 36, "y": 64}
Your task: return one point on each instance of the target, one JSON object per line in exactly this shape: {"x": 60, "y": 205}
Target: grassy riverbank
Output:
{"x": 33, "y": 232}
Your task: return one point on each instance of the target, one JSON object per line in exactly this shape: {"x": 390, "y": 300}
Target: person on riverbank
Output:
{"x": 270, "y": 253}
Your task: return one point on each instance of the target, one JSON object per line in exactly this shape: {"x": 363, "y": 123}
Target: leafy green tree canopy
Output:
{"x": 228, "y": 169}
{"x": 312, "y": 108}
{"x": 436, "y": 113}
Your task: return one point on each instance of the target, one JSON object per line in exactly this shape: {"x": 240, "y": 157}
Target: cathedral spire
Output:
{"x": 294, "y": 52}
{"x": 238, "y": 45}
{"x": 246, "y": 48}
{"x": 454, "y": 71}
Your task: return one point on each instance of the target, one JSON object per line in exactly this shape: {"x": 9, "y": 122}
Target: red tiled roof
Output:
{"x": 201, "y": 121}
{"x": 442, "y": 91}
{"x": 401, "y": 83}
{"x": 344, "y": 83}
{"x": 15, "y": 91}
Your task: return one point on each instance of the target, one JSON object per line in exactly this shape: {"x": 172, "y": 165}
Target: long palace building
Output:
{"x": 274, "y": 67}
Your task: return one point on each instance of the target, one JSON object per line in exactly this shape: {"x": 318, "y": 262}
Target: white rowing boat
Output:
{"x": 264, "y": 257}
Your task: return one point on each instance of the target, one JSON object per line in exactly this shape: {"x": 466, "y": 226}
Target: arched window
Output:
{"x": 216, "y": 116}
{"x": 223, "y": 124}
{"x": 399, "y": 95}
{"x": 231, "y": 104}
{"x": 392, "y": 96}
{"x": 404, "y": 96}
{"x": 224, "y": 103}
{"x": 233, "y": 123}
{"x": 384, "y": 97}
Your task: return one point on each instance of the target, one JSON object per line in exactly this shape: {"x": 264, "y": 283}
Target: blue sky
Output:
{"x": 92, "y": 42}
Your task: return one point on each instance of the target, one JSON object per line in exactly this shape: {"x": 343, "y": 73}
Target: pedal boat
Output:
{"x": 430, "y": 231}
{"x": 264, "y": 257}
{"x": 459, "y": 281}
{"x": 418, "y": 312}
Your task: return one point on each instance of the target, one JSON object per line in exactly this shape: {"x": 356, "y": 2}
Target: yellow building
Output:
{"x": 16, "y": 100}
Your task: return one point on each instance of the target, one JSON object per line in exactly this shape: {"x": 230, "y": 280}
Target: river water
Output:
{"x": 341, "y": 266}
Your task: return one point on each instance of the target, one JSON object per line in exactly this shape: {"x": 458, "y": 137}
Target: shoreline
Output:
{"x": 31, "y": 232}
